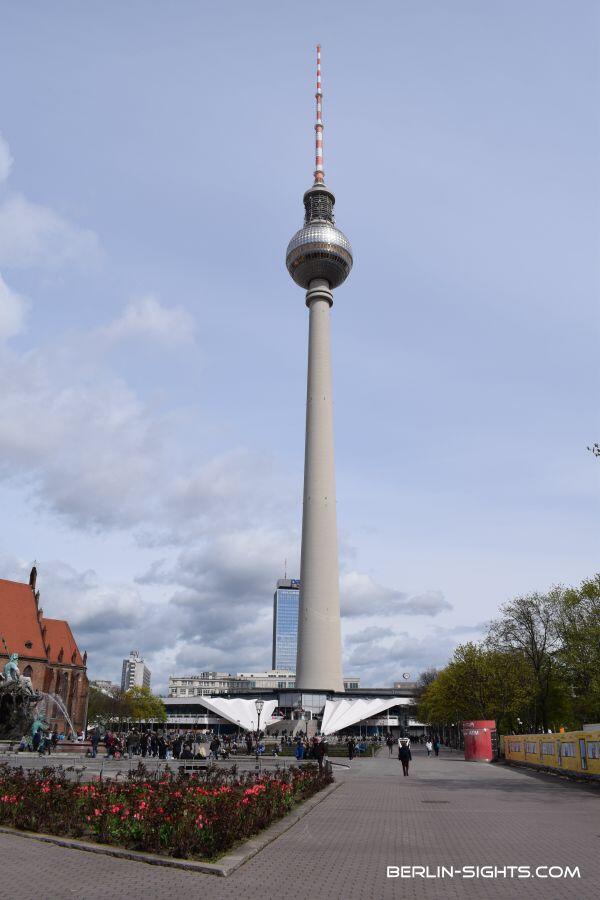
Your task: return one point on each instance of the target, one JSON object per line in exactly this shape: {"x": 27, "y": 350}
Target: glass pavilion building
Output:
{"x": 285, "y": 623}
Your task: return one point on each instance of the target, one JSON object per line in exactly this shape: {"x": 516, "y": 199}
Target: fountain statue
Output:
{"x": 17, "y": 700}
{"x": 39, "y": 725}
{"x": 12, "y": 673}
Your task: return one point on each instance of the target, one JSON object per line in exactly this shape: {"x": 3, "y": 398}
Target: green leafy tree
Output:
{"x": 144, "y": 705}
{"x": 578, "y": 626}
{"x": 480, "y": 683}
{"x": 108, "y": 708}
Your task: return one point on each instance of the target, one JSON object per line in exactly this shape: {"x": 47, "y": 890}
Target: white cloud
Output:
{"x": 34, "y": 235}
{"x": 6, "y": 159}
{"x": 362, "y": 596}
{"x": 12, "y": 311}
{"x": 380, "y": 662}
{"x": 366, "y": 635}
{"x": 108, "y": 459}
{"x": 86, "y": 445}
{"x": 147, "y": 318}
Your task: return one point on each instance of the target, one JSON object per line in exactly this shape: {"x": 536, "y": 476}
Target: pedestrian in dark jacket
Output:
{"x": 404, "y": 755}
{"x": 321, "y": 751}
{"x": 351, "y": 748}
{"x": 390, "y": 743}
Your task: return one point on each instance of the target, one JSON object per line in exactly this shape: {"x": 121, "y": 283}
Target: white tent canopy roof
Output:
{"x": 242, "y": 712}
{"x": 343, "y": 713}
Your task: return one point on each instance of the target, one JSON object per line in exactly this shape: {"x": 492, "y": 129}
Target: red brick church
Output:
{"x": 47, "y": 650}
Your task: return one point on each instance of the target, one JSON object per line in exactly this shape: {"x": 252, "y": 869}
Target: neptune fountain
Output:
{"x": 18, "y": 701}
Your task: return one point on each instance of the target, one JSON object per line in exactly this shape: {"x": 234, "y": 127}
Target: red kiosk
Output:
{"x": 481, "y": 740}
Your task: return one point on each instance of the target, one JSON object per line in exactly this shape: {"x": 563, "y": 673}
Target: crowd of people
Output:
{"x": 197, "y": 745}
{"x": 185, "y": 745}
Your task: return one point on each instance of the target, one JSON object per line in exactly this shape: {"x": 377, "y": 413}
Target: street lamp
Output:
{"x": 259, "y": 708}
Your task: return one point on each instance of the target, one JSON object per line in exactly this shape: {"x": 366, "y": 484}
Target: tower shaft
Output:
{"x": 319, "y": 638}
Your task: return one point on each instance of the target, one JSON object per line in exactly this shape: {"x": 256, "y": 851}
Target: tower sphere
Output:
{"x": 319, "y": 250}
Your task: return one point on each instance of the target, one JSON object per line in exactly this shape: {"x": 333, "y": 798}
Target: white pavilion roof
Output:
{"x": 242, "y": 712}
{"x": 343, "y": 713}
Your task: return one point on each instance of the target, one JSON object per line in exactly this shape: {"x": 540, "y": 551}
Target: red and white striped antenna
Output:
{"x": 319, "y": 174}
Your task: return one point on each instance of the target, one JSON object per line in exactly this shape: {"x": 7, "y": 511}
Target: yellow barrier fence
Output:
{"x": 577, "y": 752}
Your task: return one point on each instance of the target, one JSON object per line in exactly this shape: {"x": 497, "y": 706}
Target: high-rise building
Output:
{"x": 285, "y": 623}
{"x": 135, "y": 672}
{"x": 319, "y": 259}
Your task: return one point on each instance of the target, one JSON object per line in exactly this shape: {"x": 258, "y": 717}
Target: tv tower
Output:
{"x": 319, "y": 259}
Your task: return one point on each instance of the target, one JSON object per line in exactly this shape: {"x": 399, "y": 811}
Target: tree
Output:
{"x": 107, "y": 707}
{"x": 425, "y": 679}
{"x": 578, "y": 626}
{"x": 480, "y": 683}
{"x": 538, "y": 667}
{"x": 144, "y": 705}
{"x": 528, "y": 626}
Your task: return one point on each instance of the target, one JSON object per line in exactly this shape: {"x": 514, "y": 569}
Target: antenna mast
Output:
{"x": 319, "y": 174}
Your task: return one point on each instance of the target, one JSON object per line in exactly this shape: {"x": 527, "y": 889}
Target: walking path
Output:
{"x": 447, "y": 812}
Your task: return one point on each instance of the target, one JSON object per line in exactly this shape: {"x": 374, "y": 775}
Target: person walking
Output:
{"x": 428, "y": 747}
{"x": 321, "y": 752}
{"x": 404, "y": 755}
{"x": 95, "y": 741}
{"x": 351, "y": 748}
{"x": 390, "y": 743}
{"x": 436, "y": 747}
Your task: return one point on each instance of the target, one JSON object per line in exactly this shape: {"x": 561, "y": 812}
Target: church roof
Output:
{"x": 59, "y": 635}
{"x": 19, "y": 624}
{"x": 22, "y": 628}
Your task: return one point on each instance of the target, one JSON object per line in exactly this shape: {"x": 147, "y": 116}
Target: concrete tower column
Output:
{"x": 319, "y": 638}
{"x": 319, "y": 259}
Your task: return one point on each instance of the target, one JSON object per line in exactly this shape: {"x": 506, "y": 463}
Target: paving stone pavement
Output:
{"x": 447, "y": 812}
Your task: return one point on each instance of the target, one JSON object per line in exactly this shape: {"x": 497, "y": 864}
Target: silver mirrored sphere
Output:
{"x": 319, "y": 250}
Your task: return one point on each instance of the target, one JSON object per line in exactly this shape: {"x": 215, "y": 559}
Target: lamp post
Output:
{"x": 259, "y": 708}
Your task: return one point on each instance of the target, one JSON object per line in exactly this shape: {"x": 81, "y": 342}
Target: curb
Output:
{"x": 228, "y": 863}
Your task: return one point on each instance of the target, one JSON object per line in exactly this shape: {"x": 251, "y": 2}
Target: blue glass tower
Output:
{"x": 285, "y": 623}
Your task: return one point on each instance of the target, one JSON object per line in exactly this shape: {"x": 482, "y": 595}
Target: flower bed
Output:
{"x": 198, "y": 816}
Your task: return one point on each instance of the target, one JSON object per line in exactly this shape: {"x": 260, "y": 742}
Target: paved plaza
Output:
{"x": 447, "y": 812}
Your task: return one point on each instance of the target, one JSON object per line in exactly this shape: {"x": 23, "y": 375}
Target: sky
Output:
{"x": 153, "y": 348}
